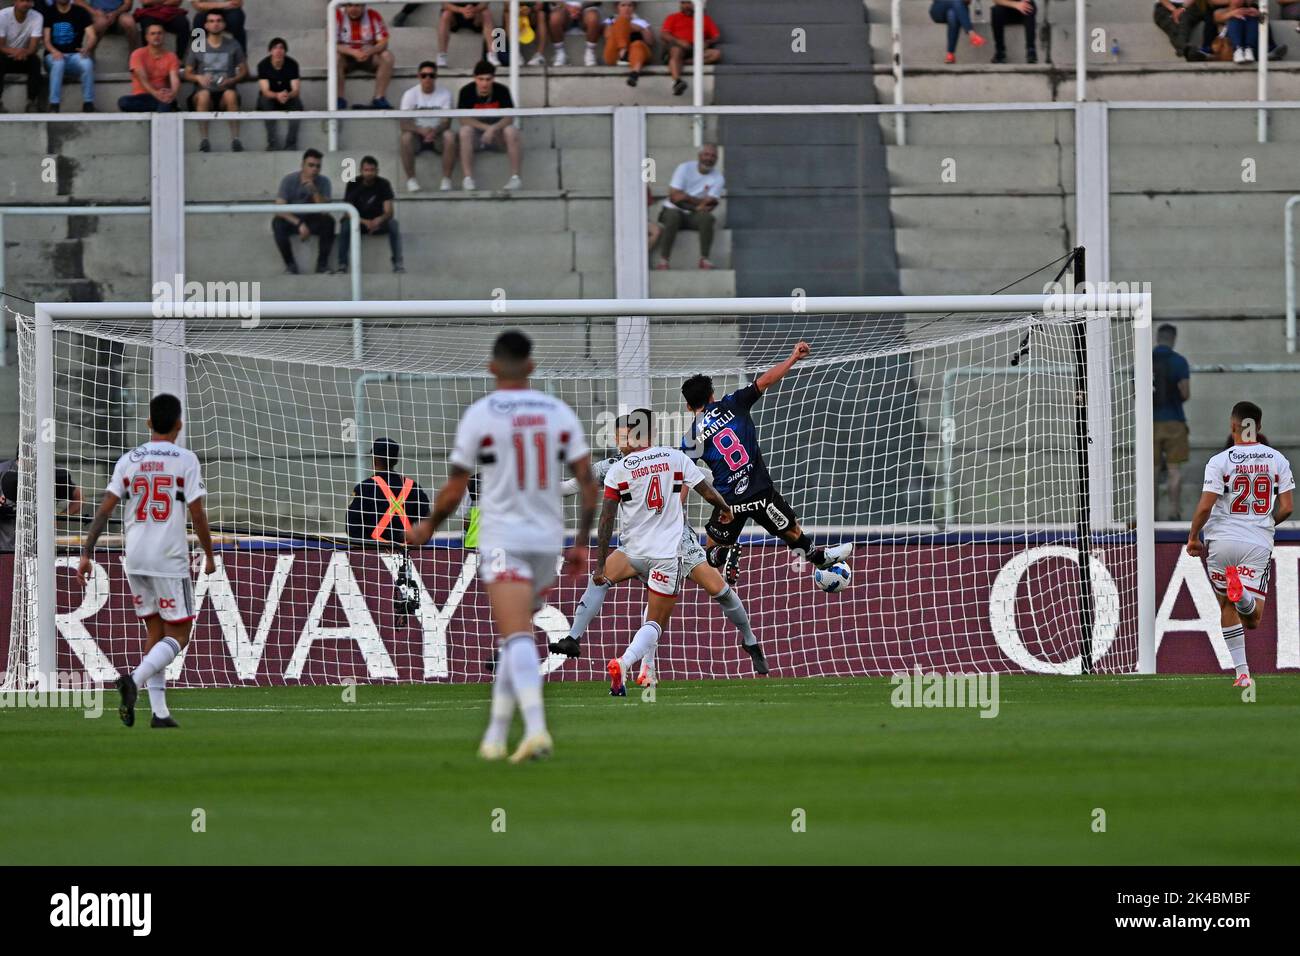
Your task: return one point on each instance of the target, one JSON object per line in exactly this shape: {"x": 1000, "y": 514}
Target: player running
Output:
{"x": 723, "y": 436}
{"x": 645, "y": 489}
{"x": 517, "y": 439}
{"x": 632, "y": 434}
{"x": 1247, "y": 492}
{"x": 162, "y": 482}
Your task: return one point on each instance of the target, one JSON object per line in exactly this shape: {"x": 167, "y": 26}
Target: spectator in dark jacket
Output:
{"x": 384, "y": 504}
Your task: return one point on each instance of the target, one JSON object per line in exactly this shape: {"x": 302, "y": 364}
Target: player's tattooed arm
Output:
{"x": 199, "y": 517}
{"x": 1194, "y": 546}
{"x": 710, "y": 494}
{"x": 603, "y": 535}
{"x": 1283, "y": 509}
{"x": 575, "y": 558}
{"x": 778, "y": 372}
{"x": 444, "y": 506}
{"x": 97, "y": 526}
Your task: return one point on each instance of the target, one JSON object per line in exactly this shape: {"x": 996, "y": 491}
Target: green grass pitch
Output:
{"x": 710, "y": 772}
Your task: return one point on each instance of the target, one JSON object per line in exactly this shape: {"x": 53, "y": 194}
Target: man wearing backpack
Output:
{"x": 1173, "y": 386}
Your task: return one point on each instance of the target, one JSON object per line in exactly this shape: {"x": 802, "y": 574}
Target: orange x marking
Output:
{"x": 396, "y": 506}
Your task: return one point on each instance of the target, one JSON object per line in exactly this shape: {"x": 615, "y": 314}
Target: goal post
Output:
{"x": 902, "y": 432}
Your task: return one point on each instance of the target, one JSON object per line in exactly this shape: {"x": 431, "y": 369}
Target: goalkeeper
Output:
{"x": 724, "y": 438}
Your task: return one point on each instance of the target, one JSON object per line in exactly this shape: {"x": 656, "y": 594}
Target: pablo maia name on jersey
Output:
{"x": 102, "y": 909}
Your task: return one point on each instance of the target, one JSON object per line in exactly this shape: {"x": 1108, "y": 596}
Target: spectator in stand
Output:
{"x": 956, "y": 15}
{"x": 420, "y": 134}
{"x": 1014, "y": 11}
{"x": 171, "y": 16}
{"x": 474, "y": 16}
{"x": 363, "y": 45}
{"x": 305, "y": 186}
{"x": 484, "y": 93}
{"x": 1172, "y": 378}
{"x": 155, "y": 76}
{"x": 22, "y": 32}
{"x": 372, "y": 197}
{"x": 1243, "y": 32}
{"x": 532, "y": 21}
{"x": 679, "y": 39}
{"x": 232, "y": 10}
{"x": 693, "y": 195}
{"x": 629, "y": 39}
{"x": 216, "y": 72}
{"x": 582, "y": 15}
{"x": 109, "y": 15}
{"x": 1179, "y": 20}
{"x": 278, "y": 87}
{"x": 653, "y": 229}
{"x": 68, "y": 30}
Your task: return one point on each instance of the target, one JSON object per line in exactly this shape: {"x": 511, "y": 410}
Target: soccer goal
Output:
{"x": 990, "y": 455}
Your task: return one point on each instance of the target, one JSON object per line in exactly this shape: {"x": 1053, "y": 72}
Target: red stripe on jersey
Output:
{"x": 564, "y": 438}
{"x": 486, "y": 442}
{"x": 611, "y": 494}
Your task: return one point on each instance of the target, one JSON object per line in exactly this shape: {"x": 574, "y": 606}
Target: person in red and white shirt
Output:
{"x": 363, "y": 45}
{"x": 161, "y": 483}
{"x": 1247, "y": 493}
{"x": 518, "y": 440}
{"x": 679, "y": 42}
{"x": 645, "y": 489}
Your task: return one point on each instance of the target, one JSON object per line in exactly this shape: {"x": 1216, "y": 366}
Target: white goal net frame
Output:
{"x": 1085, "y": 377}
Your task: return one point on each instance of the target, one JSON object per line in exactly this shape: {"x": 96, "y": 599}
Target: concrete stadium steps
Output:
{"x": 1005, "y": 129}
{"x": 1002, "y": 170}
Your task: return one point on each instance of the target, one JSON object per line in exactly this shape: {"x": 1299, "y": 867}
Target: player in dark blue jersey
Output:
{"x": 724, "y": 438}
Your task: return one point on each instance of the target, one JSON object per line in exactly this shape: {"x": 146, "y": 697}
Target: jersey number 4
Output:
{"x": 1259, "y": 489}
{"x": 654, "y": 495}
{"x": 157, "y": 490}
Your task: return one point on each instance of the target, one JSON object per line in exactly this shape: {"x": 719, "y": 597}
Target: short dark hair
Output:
{"x": 1166, "y": 331}
{"x": 153, "y": 23}
{"x": 312, "y": 153}
{"x": 512, "y": 346}
{"x": 638, "y": 423}
{"x": 277, "y": 41}
{"x": 212, "y": 13}
{"x": 371, "y": 160}
{"x": 164, "y": 413}
{"x": 484, "y": 68}
{"x": 429, "y": 63}
{"x": 697, "y": 390}
{"x": 1248, "y": 412}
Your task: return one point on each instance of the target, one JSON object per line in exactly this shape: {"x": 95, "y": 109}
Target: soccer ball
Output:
{"x": 832, "y": 579}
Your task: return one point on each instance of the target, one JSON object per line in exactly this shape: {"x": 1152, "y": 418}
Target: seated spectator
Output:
{"x": 363, "y": 45}
{"x": 374, "y": 497}
{"x": 679, "y": 39}
{"x": 155, "y": 76}
{"x": 1014, "y": 11}
{"x": 533, "y": 30}
{"x": 278, "y": 87}
{"x": 421, "y": 134}
{"x": 22, "y": 33}
{"x": 109, "y": 15}
{"x": 68, "y": 30}
{"x": 456, "y": 16}
{"x": 956, "y": 14}
{"x": 172, "y": 18}
{"x": 232, "y": 10}
{"x": 305, "y": 186}
{"x": 629, "y": 39}
{"x": 583, "y": 15}
{"x": 484, "y": 93}
{"x": 1178, "y": 19}
{"x": 216, "y": 72}
{"x": 1243, "y": 32}
{"x": 693, "y": 195}
{"x": 372, "y": 197}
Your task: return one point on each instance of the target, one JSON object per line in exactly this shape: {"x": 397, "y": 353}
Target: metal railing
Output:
{"x": 1290, "y": 273}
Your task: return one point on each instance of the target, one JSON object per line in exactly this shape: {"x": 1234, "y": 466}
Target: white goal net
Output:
{"x": 974, "y": 457}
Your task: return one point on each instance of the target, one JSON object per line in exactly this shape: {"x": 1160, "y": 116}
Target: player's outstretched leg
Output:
{"x": 735, "y": 612}
{"x": 646, "y": 637}
{"x": 155, "y": 661}
{"x": 157, "y": 688}
{"x": 519, "y": 657}
{"x": 493, "y": 746}
{"x": 583, "y": 615}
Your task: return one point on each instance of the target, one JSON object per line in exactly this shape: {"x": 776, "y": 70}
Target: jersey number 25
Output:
{"x": 157, "y": 491}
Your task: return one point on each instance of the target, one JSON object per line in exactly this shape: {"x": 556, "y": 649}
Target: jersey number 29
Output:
{"x": 1262, "y": 488}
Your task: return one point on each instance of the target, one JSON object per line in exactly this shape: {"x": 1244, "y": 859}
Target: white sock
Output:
{"x": 503, "y": 705}
{"x": 646, "y": 637}
{"x": 590, "y": 45}
{"x": 519, "y": 655}
{"x": 162, "y": 654}
{"x": 648, "y": 661}
{"x": 1235, "y": 638}
{"x": 1246, "y": 606}
{"x": 587, "y": 609}
{"x": 157, "y": 687}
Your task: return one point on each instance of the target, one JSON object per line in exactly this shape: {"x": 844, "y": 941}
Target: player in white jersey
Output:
{"x": 632, "y": 433}
{"x": 160, "y": 482}
{"x": 646, "y": 490}
{"x": 1247, "y": 492}
{"x": 518, "y": 439}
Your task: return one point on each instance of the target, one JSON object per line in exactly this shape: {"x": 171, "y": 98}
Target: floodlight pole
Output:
{"x": 1083, "y": 502}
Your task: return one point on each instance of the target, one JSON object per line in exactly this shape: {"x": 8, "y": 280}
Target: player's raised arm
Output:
{"x": 97, "y": 526}
{"x": 778, "y": 372}
{"x": 575, "y": 558}
{"x": 199, "y": 518}
{"x": 445, "y": 504}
